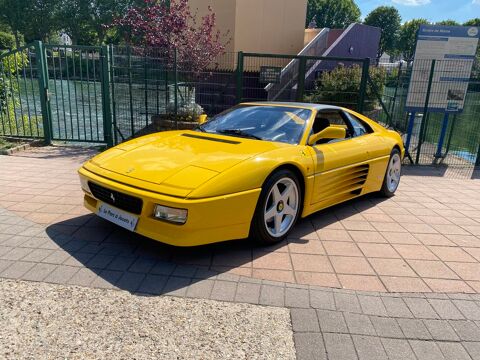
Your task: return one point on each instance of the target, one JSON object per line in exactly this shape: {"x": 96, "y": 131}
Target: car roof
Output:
{"x": 294, "y": 104}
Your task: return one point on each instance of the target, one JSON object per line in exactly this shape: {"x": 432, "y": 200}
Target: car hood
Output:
{"x": 176, "y": 163}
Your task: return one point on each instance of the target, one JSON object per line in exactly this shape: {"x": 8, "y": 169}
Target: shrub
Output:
{"x": 341, "y": 87}
{"x": 7, "y": 41}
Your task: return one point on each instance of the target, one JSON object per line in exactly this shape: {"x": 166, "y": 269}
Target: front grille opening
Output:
{"x": 120, "y": 200}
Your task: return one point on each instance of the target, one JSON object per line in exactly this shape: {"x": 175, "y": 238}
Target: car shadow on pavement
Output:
{"x": 111, "y": 257}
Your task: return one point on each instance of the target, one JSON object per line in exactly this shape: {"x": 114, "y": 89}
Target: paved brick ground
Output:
{"x": 409, "y": 266}
{"x": 425, "y": 239}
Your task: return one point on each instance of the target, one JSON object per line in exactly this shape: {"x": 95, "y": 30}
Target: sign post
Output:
{"x": 453, "y": 48}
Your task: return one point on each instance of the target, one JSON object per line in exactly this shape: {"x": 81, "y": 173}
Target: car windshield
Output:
{"x": 270, "y": 123}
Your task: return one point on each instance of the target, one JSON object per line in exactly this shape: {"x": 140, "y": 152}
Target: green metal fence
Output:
{"x": 21, "y": 91}
{"x": 436, "y": 137}
{"x": 108, "y": 94}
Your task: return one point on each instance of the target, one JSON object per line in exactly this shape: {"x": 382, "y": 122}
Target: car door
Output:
{"x": 341, "y": 165}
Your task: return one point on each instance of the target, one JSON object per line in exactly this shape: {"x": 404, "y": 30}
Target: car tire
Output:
{"x": 278, "y": 208}
{"x": 392, "y": 174}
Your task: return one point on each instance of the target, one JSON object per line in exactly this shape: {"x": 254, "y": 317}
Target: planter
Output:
{"x": 167, "y": 122}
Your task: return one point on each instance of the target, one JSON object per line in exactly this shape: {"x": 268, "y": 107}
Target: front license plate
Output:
{"x": 117, "y": 216}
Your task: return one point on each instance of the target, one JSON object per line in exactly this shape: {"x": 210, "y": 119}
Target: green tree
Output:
{"x": 389, "y": 20}
{"x": 12, "y": 13}
{"x": 472, "y": 22}
{"x": 103, "y": 12}
{"x": 448, "y": 22}
{"x": 40, "y": 19}
{"x": 333, "y": 13}
{"x": 408, "y": 37}
{"x": 73, "y": 19}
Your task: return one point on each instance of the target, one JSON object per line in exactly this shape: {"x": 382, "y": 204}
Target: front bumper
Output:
{"x": 209, "y": 220}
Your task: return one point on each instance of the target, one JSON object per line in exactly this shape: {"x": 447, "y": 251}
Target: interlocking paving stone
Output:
{"x": 130, "y": 281}
{"x": 248, "y": 293}
{"x": 17, "y": 269}
{"x": 386, "y": 327}
{"x": 107, "y": 279}
{"x": 347, "y": 302}
{"x": 473, "y": 349}
{"x": 39, "y": 272}
{"x": 446, "y": 309}
{"x": 322, "y": 300}
{"x": 200, "y": 289}
{"x": 359, "y": 324}
{"x": 420, "y": 308}
{"x": 84, "y": 277}
{"x": 453, "y": 350}
{"x": 441, "y": 330}
{"x": 466, "y": 330}
{"x": 62, "y": 274}
{"x": 369, "y": 348}
{"x": 297, "y": 298}
{"x": 398, "y": 349}
{"x": 372, "y": 305}
{"x": 396, "y": 307}
{"x": 16, "y": 254}
{"x": 304, "y": 320}
{"x": 332, "y": 321}
{"x": 309, "y": 346}
{"x": 272, "y": 295}
{"x": 426, "y": 350}
{"x": 153, "y": 284}
{"x": 414, "y": 329}
{"x": 100, "y": 261}
{"x": 339, "y": 347}
{"x": 469, "y": 309}
{"x": 223, "y": 290}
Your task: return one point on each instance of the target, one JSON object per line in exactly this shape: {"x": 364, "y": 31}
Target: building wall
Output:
{"x": 266, "y": 26}
{"x": 225, "y": 16}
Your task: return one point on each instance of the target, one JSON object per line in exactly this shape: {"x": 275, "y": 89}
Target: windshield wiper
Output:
{"x": 238, "y": 132}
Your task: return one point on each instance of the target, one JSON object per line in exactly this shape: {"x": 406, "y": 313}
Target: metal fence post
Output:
{"x": 425, "y": 110}
{"x": 363, "y": 85}
{"x": 175, "y": 95}
{"x": 42, "y": 69}
{"x": 106, "y": 104}
{"x": 112, "y": 83}
{"x": 239, "y": 77}
{"x": 477, "y": 163}
{"x": 302, "y": 69}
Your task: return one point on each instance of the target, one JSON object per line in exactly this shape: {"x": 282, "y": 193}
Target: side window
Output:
{"x": 359, "y": 127}
{"x": 328, "y": 118}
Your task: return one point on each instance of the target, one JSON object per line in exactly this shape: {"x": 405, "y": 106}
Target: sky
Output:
{"x": 432, "y": 10}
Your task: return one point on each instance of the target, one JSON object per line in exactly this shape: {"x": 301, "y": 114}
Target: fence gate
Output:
{"x": 78, "y": 91}
{"x": 56, "y": 93}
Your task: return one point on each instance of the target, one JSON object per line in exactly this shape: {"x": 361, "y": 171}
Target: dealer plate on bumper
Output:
{"x": 117, "y": 216}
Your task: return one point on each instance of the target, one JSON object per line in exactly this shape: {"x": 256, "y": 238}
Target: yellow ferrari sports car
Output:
{"x": 250, "y": 171}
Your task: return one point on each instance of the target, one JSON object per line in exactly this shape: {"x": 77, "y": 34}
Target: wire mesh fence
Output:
{"x": 436, "y": 105}
{"x": 78, "y": 93}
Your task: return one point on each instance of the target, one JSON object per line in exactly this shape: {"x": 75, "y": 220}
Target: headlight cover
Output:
{"x": 84, "y": 184}
{"x": 173, "y": 215}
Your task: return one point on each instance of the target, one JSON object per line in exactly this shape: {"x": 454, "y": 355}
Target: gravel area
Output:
{"x": 39, "y": 320}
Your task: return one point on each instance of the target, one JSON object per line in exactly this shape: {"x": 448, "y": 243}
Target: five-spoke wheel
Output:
{"x": 278, "y": 208}
{"x": 392, "y": 176}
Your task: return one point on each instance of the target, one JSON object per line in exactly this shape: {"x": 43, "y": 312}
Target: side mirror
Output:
{"x": 331, "y": 132}
{"x": 202, "y": 119}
